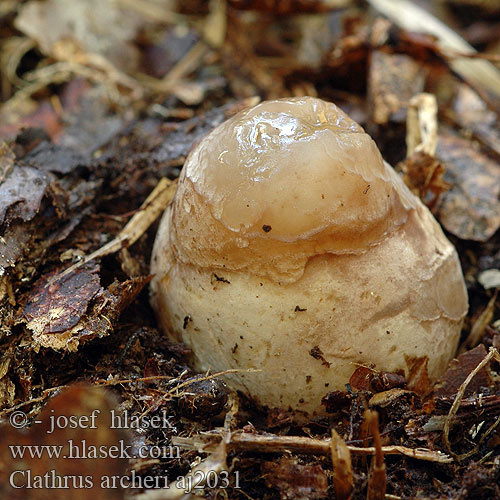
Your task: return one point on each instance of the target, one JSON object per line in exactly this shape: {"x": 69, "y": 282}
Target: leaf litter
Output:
{"x": 91, "y": 126}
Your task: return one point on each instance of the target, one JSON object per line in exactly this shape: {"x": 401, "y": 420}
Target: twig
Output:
{"x": 174, "y": 390}
{"x": 343, "y": 481}
{"x": 280, "y": 444}
{"x": 186, "y": 65}
{"x": 44, "y": 395}
{"x": 110, "y": 382}
{"x": 458, "y": 399}
{"x": 214, "y": 464}
{"x": 133, "y": 380}
{"x": 377, "y": 481}
{"x": 495, "y": 58}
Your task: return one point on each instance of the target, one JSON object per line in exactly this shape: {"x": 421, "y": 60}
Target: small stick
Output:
{"x": 377, "y": 481}
{"x": 169, "y": 394}
{"x": 245, "y": 441}
{"x": 421, "y": 124}
{"x": 456, "y": 404}
{"x": 193, "y": 481}
{"x": 343, "y": 481}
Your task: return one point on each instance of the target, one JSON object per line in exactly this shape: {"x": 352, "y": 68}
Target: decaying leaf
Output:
{"x": 21, "y": 193}
{"x": 418, "y": 378}
{"x": 50, "y": 157}
{"x": 450, "y": 418}
{"x": 85, "y": 21}
{"x": 472, "y": 113}
{"x": 366, "y": 378}
{"x": 413, "y": 17}
{"x": 58, "y": 307}
{"x": 361, "y": 378}
{"x": 423, "y": 174}
{"x": 459, "y": 370}
{"x": 64, "y": 464}
{"x": 296, "y": 481}
{"x": 102, "y": 309}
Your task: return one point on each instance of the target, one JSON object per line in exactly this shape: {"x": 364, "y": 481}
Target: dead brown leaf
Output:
{"x": 51, "y": 434}
{"x": 459, "y": 370}
{"x": 60, "y": 306}
{"x": 418, "y": 378}
{"x": 296, "y": 481}
{"x": 97, "y": 321}
{"x": 423, "y": 174}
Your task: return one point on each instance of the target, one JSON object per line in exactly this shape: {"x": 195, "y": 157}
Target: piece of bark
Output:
{"x": 472, "y": 113}
{"x": 418, "y": 378}
{"x": 393, "y": 79}
{"x": 21, "y": 193}
{"x": 471, "y": 208}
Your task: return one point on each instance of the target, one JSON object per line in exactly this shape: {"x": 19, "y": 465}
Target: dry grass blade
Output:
{"x": 343, "y": 480}
{"x": 409, "y": 16}
{"x": 150, "y": 210}
{"x": 456, "y": 404}
{"x": 186, "y": 65}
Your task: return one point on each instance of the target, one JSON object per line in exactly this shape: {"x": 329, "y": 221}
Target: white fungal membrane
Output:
{"x": 288, "y": 235}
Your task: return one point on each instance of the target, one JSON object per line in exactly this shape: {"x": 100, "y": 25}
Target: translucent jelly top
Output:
{"x": 288, "y": 173}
